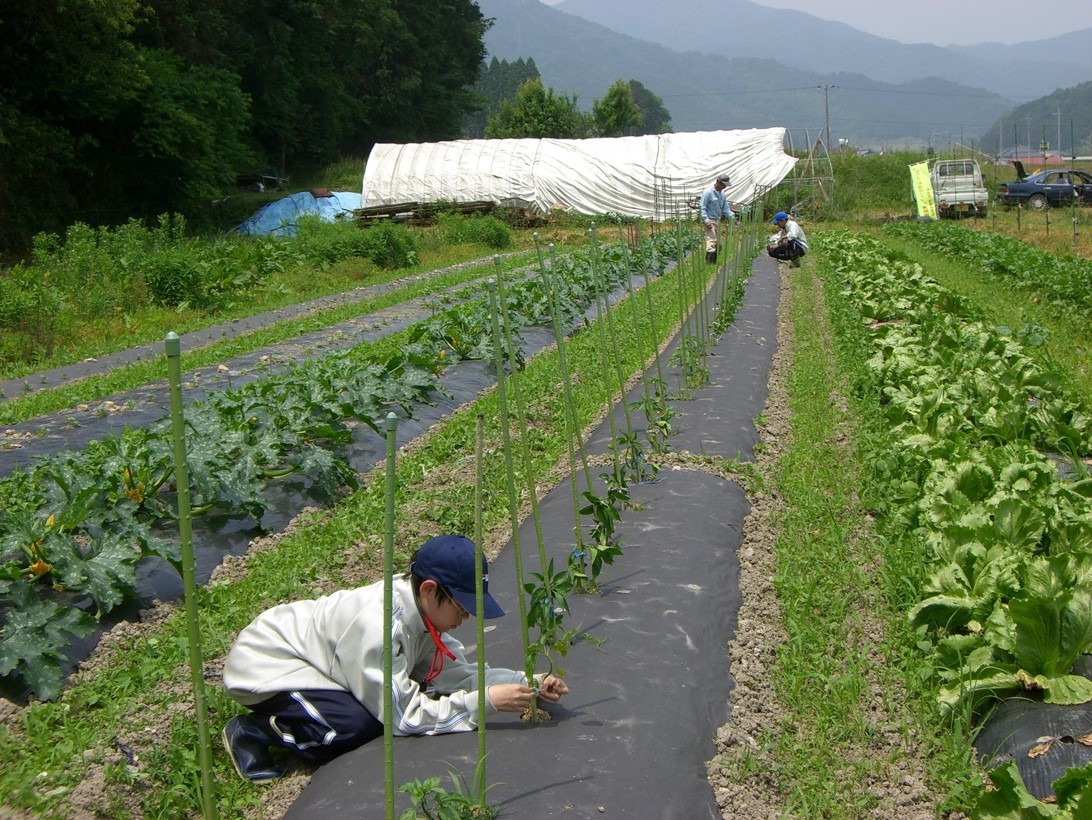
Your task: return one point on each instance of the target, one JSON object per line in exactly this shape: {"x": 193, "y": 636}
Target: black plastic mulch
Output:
{"x": 140, "y": 407}
{"x": 216, "y": 535}
{"x": 633, "y": 736}
{"x": 1041, "y": 737}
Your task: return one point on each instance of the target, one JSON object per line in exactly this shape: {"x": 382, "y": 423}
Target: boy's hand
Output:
{"x": 552, "y": 689}
{"x": 515, "y": 697}
{"x": 510, "y": 697}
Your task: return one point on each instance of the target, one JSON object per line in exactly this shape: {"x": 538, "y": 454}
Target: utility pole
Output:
{"x": 1029, "y": 136}
{"x": 826, "y": 110}
{"x": 1058, "y": 114}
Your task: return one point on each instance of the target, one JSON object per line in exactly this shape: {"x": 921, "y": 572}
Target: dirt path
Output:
{"x": 102, "y": 365}
{"x": 903, "y": 792}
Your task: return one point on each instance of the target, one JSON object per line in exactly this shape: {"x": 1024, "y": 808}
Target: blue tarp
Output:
{"x": 280, "y": 218}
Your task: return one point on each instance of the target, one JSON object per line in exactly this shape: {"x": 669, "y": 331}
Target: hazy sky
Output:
{"x": 943, "y": 22}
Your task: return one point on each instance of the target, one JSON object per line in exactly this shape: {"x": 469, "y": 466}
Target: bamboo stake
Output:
{"x": 572, "y": 424}
{"x": 479, "y": 598}
{"x": 604, "y": 355}
{"x": 513, "y": 502}
{"x": 189, "y": 585}
{"x": 388, "y": 610}
{"x": 521, "y": 422}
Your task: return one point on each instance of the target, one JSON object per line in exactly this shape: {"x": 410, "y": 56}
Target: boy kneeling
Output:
{"x": 312, "y": 671}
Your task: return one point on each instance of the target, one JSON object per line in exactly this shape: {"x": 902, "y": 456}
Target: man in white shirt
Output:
{"x": 790, "y": 242}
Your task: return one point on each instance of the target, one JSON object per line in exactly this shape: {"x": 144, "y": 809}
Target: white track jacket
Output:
{"x": 336, "y": 642}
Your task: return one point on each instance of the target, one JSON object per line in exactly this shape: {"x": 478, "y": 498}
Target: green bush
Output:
{"x": 390, "y": 246}
{"x": 173, "y": 278}
{"x": 29, "y": 306}
{"x": 457, "y": 229}
{"x": 320, "y": 242}
{"x": 16, "y": 303}
{"x": 98, "y": 270}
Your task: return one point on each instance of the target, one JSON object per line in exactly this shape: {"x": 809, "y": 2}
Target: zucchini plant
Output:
{"x": 74, "y": 526}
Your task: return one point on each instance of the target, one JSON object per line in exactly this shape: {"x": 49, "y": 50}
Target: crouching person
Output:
{"x": 311, "y": 672}
{"x": 789, "y": 243}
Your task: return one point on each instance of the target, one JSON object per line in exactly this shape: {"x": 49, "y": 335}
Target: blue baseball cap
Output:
{"x": 778, "y": 217}
{"x": 449, "y": 561}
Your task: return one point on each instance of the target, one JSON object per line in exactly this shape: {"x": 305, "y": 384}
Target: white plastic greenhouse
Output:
{"x": 650, "y": 177}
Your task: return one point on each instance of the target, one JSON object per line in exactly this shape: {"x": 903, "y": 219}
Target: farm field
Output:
{"x": 829, "y": 665}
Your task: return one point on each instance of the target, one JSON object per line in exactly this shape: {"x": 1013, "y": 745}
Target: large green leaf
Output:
{"x": 1074, "y": 790}
{"x": 1068, "y": 689}
{"x": 33, "y": 635}
{"x": 106, "y": 570}
{"x": 1077, "y": 624}
{"x": 961, "y": 654}
{"x": 1010, "y": 799}
{"x": 1018, "y": 523}
{"x": 1052, "y": 632}
{"x": 994, "y": 681}
{"x": 948, "y": 612}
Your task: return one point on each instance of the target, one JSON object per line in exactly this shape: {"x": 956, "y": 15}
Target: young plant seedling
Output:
{"x": 465, "y": 801}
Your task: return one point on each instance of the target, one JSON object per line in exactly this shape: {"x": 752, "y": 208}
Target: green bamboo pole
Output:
{"x": 681, "y": 267}
{"x": 638, "y": 332}
{"x": 1073, "y": 154}
{"x": 525, "y": 452}
{"x": 479, "y": 598}
{"x": 601, "y": 285}
{"x": 562, "y": 342}
{"x": 521, "y": 421}
{"x": 513, "y": 501}
{"x": 746, "y": 219}
{"x": 604, "y": 355}
{"x": 388, "y": 614}
{"x": 652, "y": 319}
{"x": 700, "y": 283}
{"x": 572, "y": 424}
{"x": 189, "y": 585}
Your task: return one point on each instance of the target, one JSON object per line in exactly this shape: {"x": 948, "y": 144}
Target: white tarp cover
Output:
{"x": 650, "y": 177}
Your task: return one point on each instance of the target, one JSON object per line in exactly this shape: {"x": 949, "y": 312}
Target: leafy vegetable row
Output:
{"x": 1066, "y": 280}
{"x": 965, "y": 459}
{"x": 74, "y": 526}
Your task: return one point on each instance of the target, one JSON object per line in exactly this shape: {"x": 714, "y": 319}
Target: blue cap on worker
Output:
{"x": 778, "y": 217}
{"x": 449, "y": 561}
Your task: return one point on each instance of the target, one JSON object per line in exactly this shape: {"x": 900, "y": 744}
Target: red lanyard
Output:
{"x": 437, "y": 665}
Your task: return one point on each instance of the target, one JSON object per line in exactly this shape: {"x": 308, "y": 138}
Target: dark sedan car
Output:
{"x": 1046, "y": 188}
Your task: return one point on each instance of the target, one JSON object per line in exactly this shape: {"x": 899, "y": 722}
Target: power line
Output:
{"x": 736, "y": 93}
{"x": 980, "y": 95}
{"x": 922, "y": 93}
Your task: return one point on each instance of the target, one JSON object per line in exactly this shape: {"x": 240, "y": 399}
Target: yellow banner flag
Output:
{"x": 923, "y": 190}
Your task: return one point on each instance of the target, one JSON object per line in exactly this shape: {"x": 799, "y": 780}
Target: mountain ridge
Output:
{"x": 740, "y": 28}
{"x": 704, "y": 92}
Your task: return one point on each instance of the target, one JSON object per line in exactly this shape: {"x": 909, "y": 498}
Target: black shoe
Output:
{"x": 711, "y": 257}
{"x": 794, "y": 263}
{"x": 247, "y": 739}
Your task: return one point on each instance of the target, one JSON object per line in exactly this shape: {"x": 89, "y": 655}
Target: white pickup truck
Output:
{"x": 958, "y": 188}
